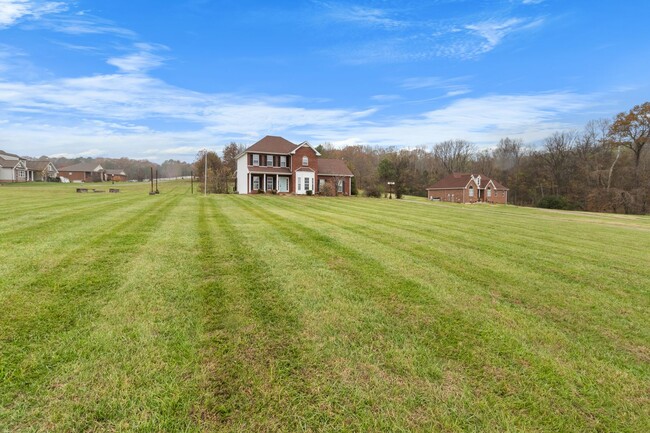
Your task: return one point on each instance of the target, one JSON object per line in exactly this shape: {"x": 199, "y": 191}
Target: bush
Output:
{"x": 554, "y": 202}
{"x": 327, "y": 190}
{"x": 353, "y": 189}
{"x": 372, "y": 191}
{"x": 309, "y": 192}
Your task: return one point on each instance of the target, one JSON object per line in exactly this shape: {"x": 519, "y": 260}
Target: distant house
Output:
{"x": 276, "y": 164}
{"x": 13, "y": 168}
{"x": 468, "y": 188}
{"x": 42, "y": 171}
{"x": 116, "y": 175}
{"x": 84, "y": 172}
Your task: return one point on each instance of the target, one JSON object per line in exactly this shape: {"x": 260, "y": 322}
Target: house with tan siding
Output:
{"x": 13, "y": 168}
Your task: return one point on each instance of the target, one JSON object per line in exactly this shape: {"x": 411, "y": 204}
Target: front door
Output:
{"x": 304, "y": 182}
{"x": 283, "y": 184}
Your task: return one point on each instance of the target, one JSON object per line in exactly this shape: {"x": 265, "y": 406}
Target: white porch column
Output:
{"x": 264, "y": 183}
{"x": 277, "y": 179}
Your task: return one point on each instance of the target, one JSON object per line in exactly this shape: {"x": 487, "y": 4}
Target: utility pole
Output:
{"x": 205, "y": 174}
{"x": 151, "y": 178}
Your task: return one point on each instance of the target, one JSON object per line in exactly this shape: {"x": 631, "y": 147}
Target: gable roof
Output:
{"x": 4, "y": 154}
{"x": 272, "y": 144}
{"x": 303, "y": 144}
{"x": 9, "y": 160}
{"x": 83, "y": 166}
{"x": 460, "y": 181}
{"x": 39, "y": 165}
{"x": 333, "y": 167}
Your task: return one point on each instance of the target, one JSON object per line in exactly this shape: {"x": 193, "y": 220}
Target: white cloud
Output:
{"x": 12, "y": 11}
{"x": 362, "y": 15}
{"x": 114, "y": 114}
{"x": 494, "y": 31}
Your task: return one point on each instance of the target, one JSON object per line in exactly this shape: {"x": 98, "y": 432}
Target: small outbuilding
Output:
{"x": 468, "y": 188}
{"x": 116, "y": 175}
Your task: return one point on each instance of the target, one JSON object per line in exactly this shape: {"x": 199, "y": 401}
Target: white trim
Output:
{"x": 304, "y": 143}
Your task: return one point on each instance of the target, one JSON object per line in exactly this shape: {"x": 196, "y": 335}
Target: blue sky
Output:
{"x": 163, "y": 79}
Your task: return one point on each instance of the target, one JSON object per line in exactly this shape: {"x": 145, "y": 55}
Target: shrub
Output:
{"x": 554, "y": 202}
{"x": 372, "y": 191}
{"x": 353, "y": 189}
{"x": 309, "y": 192}
{"x": 327, "y": 189}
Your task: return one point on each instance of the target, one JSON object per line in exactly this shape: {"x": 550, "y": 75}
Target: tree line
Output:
{"x": 604, "y": 167}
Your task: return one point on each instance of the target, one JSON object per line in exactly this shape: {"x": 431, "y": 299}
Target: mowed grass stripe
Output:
{"x": 42, "y": 246}
{"x": 18, "y": 220}
{"x": 580, "y": 238}
{"x": 348, "y": 330}
{"x": 395, "y": 346}
{"x": 251, "y": 351}
{"x": 493, "y": 276}
{"x": 541, "y": 251}
{"x": 136, "y": 365}
{"x": 635, "y": 390}
{"x": 66, "y": 300}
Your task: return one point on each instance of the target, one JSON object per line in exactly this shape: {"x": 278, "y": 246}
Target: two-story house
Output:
{"x": 276, "y": 164}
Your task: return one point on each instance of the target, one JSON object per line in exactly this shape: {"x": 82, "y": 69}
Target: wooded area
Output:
{"x": 601, "y": 168}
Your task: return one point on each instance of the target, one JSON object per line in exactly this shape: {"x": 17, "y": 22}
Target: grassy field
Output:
{"x": 179, "y": 312}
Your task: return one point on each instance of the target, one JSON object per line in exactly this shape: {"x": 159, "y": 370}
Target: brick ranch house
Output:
{"x": 276, "y": 164}
{"x": 84, "y": 172}
{"x": 468, "y": 188}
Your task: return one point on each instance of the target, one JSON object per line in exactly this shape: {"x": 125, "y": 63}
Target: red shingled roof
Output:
{"x": 460, "y": 180}
{"x": 333, "y": 167}
{"x": 272, "y": 144}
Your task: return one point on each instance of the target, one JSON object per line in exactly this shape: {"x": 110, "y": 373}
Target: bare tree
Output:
{"x": 557, "y": 157}
{"x": 455, "y": 155}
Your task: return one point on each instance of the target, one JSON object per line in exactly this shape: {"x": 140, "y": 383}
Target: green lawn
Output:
{"x": 180, "y": 312}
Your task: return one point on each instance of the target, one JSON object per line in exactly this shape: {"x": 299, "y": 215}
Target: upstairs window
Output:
{"x": 269, "y": 160}
{"x": 305, "y": 160}
{"x": 256, "y": 159}
{"x": 283, "y": 161}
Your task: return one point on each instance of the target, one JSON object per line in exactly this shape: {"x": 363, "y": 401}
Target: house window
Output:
{"x": 339, "y": 185}
{"x": 21, "y": 173}
{"x": 307, "y": 184}
{"x": 321, "y": 184}
{"x": 256, "y": 159}
{"x": 305, "y": 160}
{"x": 471, "y": 191}
{"x": 299, "y": 184}
{"x": 283, "y": 161}
{"x": 256, "y": 183}
{"x": 269, "y": 183}
{"x": 269, "y": 160}
{"x": 489, "y": 192}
